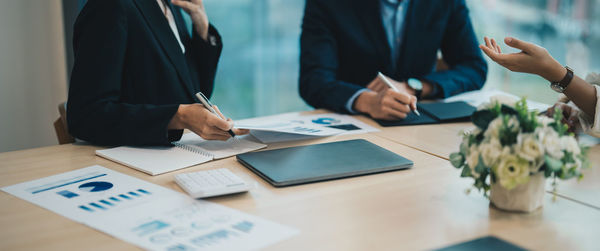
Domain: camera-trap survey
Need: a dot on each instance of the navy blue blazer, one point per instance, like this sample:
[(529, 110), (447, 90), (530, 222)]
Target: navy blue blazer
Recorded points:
[(343, 46), (130, 74)]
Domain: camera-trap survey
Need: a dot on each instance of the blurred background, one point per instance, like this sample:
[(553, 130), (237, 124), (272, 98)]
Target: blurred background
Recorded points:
[(258, 70)]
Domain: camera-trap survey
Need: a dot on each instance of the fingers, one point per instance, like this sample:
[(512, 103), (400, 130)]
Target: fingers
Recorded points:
[(403, 98), (392, 114), (377, 85), (240, 131), (516, 43), (550, 111), (496, 47), (197, 2), (185, 5), (413, 103), (397, 102), (488, 44), (214, 137), (219, 123), (489, 52)]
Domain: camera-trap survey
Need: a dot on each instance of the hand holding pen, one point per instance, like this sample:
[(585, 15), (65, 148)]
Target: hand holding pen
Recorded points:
[(413, 105), (213, 109), (210, 124), (383, 101)]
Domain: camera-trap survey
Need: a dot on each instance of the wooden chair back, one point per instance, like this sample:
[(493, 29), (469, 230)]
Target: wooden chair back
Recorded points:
[(60, 126)]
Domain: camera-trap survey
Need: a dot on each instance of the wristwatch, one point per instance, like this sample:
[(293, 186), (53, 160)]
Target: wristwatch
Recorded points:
[(416, 85), (561, 86)]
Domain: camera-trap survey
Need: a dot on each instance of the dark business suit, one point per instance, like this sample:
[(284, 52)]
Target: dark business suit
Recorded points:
[(343, 46), (130, 74)]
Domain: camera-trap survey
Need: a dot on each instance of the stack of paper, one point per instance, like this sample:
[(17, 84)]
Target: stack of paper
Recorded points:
[(295, 126)]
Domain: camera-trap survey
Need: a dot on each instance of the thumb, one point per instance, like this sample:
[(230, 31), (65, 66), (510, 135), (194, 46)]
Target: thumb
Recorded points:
[(516, 43), (413, 103)]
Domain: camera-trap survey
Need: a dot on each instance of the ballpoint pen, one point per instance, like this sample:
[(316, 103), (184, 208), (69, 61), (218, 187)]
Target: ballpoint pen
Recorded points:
[(388, 83), (209, 106)]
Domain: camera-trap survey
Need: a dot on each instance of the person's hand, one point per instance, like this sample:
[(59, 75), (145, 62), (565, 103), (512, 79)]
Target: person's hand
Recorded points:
[(378, 85), (195, 8), (570, 115), (532, 58), (202, 122), (386, 104)]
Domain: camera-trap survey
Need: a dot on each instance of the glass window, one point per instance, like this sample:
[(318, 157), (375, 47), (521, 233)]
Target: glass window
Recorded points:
[(568, 29), (259, 67)]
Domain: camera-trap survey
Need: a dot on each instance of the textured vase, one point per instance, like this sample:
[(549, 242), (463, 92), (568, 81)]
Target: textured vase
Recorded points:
[(523, 198)]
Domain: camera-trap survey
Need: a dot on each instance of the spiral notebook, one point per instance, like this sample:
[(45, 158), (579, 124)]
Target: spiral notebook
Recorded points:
[(189, 151)]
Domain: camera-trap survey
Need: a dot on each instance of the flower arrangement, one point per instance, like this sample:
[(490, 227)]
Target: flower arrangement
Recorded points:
[(511, 145)]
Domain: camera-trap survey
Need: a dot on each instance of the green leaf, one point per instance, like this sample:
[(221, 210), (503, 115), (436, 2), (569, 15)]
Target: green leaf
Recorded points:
[(466, 172), (508, 135), (483, 118), (457, 159), (480, 168), (508, 110), (553, 164), (547, 171)]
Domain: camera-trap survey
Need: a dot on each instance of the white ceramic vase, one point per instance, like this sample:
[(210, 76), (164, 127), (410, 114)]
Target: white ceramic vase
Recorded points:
[(523, 198)]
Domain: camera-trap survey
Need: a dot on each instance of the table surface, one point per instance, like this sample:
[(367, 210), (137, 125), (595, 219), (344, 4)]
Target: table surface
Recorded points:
[(421, 208), (443, 139)]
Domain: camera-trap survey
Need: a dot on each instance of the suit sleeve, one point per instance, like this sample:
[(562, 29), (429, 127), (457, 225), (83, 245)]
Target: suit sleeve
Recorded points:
[(468, 69), (319, 62), (207, 54), (95, 112)]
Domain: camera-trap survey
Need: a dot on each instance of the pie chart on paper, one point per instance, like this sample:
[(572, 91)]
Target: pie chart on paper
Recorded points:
[(325, 121), (96, 186)]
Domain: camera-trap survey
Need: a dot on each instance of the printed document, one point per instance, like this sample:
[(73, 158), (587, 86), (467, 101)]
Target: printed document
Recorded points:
[(296, 126), (148, 215)]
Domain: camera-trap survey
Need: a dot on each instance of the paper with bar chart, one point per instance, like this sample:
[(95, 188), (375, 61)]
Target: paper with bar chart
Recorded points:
[(148, 215)]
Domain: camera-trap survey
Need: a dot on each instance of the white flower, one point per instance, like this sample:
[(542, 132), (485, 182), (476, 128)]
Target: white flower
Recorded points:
[(512, 171), (544, 121), (569, 143), (504, 100), (493, 130), (531, 150), (473, 160), (577, 164), (498, 99), (490, 152), (513, 123), (551, 142)]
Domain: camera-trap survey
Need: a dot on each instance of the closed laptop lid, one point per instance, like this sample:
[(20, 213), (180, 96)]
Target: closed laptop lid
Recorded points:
[(312, 163)]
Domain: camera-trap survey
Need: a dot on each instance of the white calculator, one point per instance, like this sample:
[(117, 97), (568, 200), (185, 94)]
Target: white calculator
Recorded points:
[(211, 183)]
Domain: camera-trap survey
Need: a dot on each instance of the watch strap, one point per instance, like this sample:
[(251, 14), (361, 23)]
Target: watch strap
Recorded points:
[(567, 79)]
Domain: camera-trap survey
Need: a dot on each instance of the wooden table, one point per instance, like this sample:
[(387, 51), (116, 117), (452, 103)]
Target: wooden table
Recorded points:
[(443, 139), (421, 208)]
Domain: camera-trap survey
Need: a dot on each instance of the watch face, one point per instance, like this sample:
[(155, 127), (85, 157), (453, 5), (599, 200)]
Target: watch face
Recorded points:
[(415, 84), (557, 88)]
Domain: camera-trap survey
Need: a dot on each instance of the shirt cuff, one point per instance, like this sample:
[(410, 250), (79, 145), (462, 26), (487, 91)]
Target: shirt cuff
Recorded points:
[(591, 125), (352, 99)]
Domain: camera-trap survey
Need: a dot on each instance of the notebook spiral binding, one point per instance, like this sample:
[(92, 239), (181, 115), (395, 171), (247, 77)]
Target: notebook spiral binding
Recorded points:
[(193, 149)]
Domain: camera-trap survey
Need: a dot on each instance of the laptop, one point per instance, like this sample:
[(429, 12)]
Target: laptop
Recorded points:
[(322, 162)]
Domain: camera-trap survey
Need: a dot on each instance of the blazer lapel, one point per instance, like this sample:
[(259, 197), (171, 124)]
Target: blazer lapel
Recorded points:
[(369, 13), (163, 33)]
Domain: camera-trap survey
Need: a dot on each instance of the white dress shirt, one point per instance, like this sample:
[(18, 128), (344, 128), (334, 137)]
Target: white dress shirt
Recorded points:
[(171, 21), (591, 125)]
